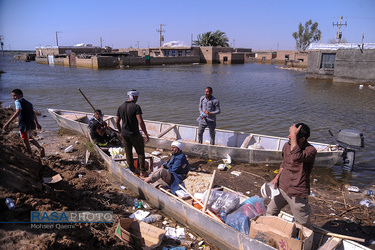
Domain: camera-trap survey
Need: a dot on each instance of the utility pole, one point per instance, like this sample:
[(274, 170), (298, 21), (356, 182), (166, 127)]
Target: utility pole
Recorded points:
[(57, 38), (2, 45), (101, 42), (234, 43), (339, 33), (161, 37)]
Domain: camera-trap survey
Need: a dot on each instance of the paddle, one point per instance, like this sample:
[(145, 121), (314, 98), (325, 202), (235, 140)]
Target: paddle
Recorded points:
[(108, 128), (86, 99)]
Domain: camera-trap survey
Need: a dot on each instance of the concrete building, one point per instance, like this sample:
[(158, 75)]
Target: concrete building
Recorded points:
[(292, 58), (96, 58), (347, 62)]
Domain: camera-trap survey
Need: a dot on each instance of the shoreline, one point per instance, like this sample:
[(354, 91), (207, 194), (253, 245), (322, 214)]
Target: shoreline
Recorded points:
[(331, 206)]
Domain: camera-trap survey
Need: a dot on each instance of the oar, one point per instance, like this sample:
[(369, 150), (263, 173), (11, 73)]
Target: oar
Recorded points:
[(86, 99), (94, 108)]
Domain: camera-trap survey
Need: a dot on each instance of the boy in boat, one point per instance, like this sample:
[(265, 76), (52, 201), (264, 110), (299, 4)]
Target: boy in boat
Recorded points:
[(98, 129), (27, 121), (173, 172), (131, 115), (209, 107), (293, 177)]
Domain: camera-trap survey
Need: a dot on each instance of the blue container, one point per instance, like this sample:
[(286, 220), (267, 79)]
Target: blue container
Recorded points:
[(10, 203)]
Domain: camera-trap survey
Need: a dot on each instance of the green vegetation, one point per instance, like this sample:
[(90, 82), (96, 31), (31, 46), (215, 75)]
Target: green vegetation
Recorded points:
[(217, 38), (306, 34)]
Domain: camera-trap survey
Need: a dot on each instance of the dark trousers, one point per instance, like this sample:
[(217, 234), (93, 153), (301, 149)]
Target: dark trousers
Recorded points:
[(211, 126), (139, 145)]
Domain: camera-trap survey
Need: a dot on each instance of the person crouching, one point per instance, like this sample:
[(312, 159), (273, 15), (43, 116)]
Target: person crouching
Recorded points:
[(173, 172)]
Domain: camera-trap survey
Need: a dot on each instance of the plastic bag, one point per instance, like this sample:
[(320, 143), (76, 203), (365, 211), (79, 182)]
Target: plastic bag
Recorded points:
[(239, 222), (227, 202), (258, 204), (214, 195), (232, 202)]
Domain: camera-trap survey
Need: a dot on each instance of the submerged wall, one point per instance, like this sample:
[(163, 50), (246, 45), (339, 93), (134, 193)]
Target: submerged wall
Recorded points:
[(350, 65), (354, 65)]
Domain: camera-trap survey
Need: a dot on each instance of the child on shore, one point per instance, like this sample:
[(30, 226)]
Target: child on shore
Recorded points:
[(28, 121)]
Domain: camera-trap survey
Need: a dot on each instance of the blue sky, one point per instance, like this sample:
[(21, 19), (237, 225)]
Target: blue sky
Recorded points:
[(262, 24)]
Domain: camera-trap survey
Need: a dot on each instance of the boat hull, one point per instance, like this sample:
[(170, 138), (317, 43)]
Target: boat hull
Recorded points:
[(219, 234), (232, 143)]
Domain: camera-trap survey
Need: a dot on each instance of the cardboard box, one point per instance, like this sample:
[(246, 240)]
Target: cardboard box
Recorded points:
[(139, 234), (281, 234)]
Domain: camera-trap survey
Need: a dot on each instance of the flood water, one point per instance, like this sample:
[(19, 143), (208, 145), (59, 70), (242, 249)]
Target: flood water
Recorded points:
[(253, 97)]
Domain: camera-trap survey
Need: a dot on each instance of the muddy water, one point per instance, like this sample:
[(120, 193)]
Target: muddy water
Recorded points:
[(254, 98)]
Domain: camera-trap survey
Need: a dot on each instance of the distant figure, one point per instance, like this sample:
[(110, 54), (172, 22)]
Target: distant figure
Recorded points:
[(293, 178), (27, 120), (130, 114), (174, 171), (209, 107), (98, 129)]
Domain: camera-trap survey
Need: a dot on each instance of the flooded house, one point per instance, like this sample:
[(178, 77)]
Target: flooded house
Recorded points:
[(343, 62)]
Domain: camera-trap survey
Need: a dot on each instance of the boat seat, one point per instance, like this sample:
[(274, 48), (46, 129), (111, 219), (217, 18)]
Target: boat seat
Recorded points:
[(74, 117)]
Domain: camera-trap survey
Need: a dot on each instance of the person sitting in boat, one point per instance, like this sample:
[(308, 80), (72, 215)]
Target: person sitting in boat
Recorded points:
[(98, 129), (173, 172)]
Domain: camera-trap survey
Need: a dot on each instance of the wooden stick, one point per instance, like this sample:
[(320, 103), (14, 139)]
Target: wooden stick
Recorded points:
[(255, 175), (349, 209), (199, 202), (343, 196), (209, 191), (341, 236), (86, 99)]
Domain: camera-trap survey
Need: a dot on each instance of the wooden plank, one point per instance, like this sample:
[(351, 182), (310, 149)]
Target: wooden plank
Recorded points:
[(246, 141), (209, 191), (165, 131), (341, 236)]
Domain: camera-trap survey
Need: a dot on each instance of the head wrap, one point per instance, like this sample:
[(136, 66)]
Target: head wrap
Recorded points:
[(177, 144), (131, 94)]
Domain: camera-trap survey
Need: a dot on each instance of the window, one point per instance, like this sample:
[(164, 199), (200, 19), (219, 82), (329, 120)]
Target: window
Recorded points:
[(179, 53), (286, 57), (263, 59), (166, 52), (173, 53), (188, 52), (328, 61), (225, 59)]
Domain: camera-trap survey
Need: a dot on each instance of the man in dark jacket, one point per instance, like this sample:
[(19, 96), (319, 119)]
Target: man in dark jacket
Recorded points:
[(173, 172), (293, 177), (99, 128)]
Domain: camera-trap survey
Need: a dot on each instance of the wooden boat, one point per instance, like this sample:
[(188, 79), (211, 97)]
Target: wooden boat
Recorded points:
[(216, 232), (240, 146)]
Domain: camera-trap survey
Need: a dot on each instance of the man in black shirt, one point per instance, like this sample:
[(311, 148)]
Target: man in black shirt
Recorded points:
[(130, 114)]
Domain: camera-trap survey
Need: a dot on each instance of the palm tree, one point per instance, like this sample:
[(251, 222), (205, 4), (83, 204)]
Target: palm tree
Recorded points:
[(217, 38)]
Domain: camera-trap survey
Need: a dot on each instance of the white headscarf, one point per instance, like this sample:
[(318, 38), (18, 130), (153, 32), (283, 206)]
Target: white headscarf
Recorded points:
[(131, 94), (177, 144)]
